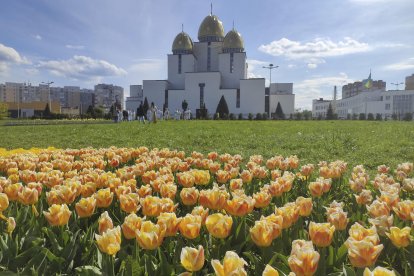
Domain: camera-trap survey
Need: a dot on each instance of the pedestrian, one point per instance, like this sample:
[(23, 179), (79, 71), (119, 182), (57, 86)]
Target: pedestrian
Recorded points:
[(154, 113), (140, 114)]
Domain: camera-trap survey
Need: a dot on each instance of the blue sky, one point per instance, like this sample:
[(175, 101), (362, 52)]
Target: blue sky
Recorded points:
[(316, 43)]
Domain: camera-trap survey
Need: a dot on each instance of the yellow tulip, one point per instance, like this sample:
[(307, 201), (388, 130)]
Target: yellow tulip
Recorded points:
[(277, 224), (321, 234), (404, 209), (190, 226), (131, 224), (236, 184), (104, 198), (129, 203), (151, 235), (270, 271), (85, 207), (186, 179), (192, 259), (58, 215), (222, 176), (400, 237), (202, 212), (246, 176), (168, 190), (219, 225), (144, 190), (262, 233), (232, 265), (358, 232), (378, 271), (303, 259), (378, 208), (151, 206), (189, 196), (11, 225), (382, 223), (28, 196), (171, 223), (214, 198), (4, 202), (290, 214), (12, 191), (362, 253), (364, 197), (240, 205), (305, 206), (104, 223), (262, 199), (338, 219), (201, 177), (110, 241)]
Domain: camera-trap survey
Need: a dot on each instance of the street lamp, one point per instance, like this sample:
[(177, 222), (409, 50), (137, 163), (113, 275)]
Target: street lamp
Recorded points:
[(48, 86), (270, 67), (397, 84)]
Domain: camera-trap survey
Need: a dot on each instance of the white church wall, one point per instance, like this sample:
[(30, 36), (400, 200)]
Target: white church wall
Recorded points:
[(175, 78), (211, 89), (232, 79), (287, 102), (252, 96), (154, 91)]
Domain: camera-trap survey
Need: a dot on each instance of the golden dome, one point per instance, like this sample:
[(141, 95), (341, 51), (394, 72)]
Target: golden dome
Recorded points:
[(182, 44), (211, 29), (233, 42)]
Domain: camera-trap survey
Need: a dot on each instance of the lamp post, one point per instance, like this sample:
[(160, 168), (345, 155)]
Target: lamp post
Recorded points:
[(397, 84), (270, 67), (48, 88)]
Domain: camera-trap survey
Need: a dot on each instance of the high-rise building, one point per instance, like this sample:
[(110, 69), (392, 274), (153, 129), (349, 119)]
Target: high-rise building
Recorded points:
[(352, 89), (409, 82), (107, 95), (135, 97)]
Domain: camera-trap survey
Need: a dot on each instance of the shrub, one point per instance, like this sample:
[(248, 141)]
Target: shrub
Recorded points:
[(408, 117), (362, 116), (250, 116), (370, 117), (231, 116), (378, 117), (240, 116), (258, 116), (264, 116)]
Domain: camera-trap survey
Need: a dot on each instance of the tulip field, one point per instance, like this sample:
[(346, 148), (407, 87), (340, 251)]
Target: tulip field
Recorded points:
[(195, 209)]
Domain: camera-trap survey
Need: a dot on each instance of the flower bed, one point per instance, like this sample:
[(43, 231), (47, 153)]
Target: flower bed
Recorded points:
[(131, 211)]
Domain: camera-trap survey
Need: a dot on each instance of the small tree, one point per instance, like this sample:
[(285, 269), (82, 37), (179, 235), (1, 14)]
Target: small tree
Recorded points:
[(231, 116), (250, 116), (330, 114), (408, 117), (348, 116), (222, 107), (3, 110), (394, 116), (145, 106), (46, 112), (240, 116), (258, 116), (184, 105), (264, 116), (378, 117), (279, 115), (298, 116), (307, 114), (370, 117), (90, 112), (362, 116), (354, 116)]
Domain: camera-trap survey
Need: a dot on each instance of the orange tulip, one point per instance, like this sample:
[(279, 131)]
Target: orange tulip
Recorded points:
[(338, 219), (131, 224), (4, 202), (400, 237), (364, 197), (110, 241), (219, 225), (129, 203), (28, 196), (262, 199), (192, 259), (214, 198), (404, 209), (202, 212), (270, 271), (358, 232), (232, 265), (122, 190), (171, 223), (12, 191), (240, 205), (104, 198), (305, 206), (144, 190), (246, 176), (262, 233), (189, 196), (362, 253), (276, 222), (186, 179), (382, 223), (378, 208), (151, 235), (85, 207), (303, 259), (321, 234), (104, 222), (190, 226), (168, 190), (290, 214), (88, 189), (378, 271), (151, 206), (222, 176), (201, 177), (58, 215)]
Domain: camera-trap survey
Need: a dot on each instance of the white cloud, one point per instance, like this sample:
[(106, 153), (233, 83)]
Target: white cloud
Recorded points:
[(318, 87), (82, 67), (318, 48), (75, 47), (402, 65), (253, 66), (10, 56), (38, 37), (147, 65)]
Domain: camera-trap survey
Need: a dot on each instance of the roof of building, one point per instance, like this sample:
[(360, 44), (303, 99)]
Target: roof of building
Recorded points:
[(233, 41), (211, 29), (182, 44)]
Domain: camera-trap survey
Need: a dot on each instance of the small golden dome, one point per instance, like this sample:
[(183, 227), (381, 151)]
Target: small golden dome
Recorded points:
[(233, 42), (182, 44), (211, 29)]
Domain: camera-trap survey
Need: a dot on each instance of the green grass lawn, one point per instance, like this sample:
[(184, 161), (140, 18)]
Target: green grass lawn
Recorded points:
[(356, 142)]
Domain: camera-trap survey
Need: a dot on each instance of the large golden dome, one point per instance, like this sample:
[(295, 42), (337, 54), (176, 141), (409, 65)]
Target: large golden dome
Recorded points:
[(182, 44), (233, 42), (211, 29)]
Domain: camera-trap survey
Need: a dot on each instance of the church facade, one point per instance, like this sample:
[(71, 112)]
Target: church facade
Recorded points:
[(215, 66)]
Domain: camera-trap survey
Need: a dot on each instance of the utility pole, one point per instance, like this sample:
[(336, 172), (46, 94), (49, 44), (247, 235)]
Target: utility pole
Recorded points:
[(270, 67)]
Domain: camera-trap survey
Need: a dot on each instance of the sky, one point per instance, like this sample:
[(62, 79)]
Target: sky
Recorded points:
[(317, 44)]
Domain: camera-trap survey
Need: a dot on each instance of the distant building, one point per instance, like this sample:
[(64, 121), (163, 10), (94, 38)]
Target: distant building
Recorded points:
[(135, 97), (281, 93), (108, 94), (30, 109), (409, 82), (352, 89), (388, 104)]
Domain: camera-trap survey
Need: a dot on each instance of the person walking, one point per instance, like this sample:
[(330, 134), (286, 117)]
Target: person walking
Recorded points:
[(153, 113), (140, 114)]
